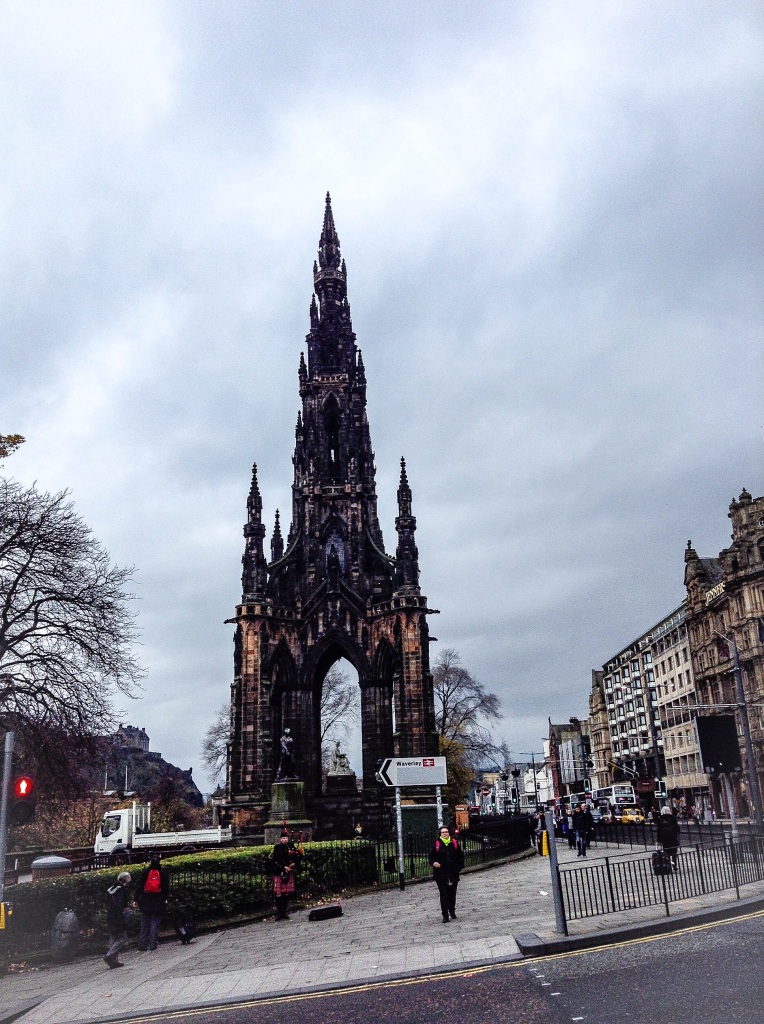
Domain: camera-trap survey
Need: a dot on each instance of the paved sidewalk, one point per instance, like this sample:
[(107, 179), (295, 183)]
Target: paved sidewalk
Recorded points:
[(382, 935)]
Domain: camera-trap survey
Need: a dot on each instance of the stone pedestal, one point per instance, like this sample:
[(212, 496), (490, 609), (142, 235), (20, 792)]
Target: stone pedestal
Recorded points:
[(287, 805), (341, 785)]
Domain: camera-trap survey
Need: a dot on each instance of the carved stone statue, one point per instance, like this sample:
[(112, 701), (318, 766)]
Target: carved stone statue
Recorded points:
[(286, 760), (340, 763)]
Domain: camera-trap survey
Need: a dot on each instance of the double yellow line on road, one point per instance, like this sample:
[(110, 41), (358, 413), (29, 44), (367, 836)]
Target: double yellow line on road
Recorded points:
[(462, 972)]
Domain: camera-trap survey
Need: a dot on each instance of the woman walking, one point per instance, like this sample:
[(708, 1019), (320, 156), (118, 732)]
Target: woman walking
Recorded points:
[(447, 860)]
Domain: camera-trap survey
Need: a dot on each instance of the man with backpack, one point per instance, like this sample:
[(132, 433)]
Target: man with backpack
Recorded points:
[(116, 918), (151, 891)]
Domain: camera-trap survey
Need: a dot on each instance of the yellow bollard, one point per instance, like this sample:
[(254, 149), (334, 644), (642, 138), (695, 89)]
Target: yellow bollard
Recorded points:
[(544, 845)]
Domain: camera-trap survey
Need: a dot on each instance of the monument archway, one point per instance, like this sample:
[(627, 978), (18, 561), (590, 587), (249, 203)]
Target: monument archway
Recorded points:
[(329, 589)]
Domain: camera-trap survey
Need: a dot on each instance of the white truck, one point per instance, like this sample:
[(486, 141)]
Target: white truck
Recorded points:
[(129, 828)]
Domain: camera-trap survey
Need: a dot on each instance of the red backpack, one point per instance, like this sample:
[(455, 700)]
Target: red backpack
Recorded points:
[(153, 881)]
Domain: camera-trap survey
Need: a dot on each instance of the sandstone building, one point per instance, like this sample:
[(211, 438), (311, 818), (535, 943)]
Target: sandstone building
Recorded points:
[(725, 612)]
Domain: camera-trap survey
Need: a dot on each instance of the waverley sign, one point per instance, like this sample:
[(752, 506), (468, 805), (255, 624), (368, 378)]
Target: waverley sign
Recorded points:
[(413, 771)]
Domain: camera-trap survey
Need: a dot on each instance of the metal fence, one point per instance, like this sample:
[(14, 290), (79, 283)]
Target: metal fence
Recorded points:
[(690, 834), (619, 883)]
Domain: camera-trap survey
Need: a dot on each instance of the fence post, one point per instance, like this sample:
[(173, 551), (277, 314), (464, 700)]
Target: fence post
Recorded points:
[(665, 895), (610, 883), (730, 843), (412, 862), (700, 869)]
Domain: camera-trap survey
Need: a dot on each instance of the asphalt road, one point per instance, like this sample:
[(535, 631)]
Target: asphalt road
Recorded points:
[(707, 975)]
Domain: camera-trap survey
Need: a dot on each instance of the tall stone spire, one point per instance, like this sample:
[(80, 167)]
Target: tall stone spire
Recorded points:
[(254, 575), (406, 555), (330, 590), (331, 342), (277, 541)]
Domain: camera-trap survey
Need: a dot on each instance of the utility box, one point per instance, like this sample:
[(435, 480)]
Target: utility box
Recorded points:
[(50, 867)]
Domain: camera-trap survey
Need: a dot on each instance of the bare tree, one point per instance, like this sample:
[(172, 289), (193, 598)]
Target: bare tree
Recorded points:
[(464, 710), (338, 705), (214, 745), (339, 711), (66, 627)]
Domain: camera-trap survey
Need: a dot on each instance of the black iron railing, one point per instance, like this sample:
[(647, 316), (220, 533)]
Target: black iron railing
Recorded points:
[(612, 884), (690, 834)]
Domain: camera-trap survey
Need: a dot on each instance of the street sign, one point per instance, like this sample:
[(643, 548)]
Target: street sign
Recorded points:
[(414, 771)]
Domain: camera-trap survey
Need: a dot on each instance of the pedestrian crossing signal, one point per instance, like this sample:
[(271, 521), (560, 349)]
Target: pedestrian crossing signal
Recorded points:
[(23, 800)]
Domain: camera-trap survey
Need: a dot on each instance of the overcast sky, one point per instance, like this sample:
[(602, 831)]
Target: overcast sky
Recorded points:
[(552, 220)]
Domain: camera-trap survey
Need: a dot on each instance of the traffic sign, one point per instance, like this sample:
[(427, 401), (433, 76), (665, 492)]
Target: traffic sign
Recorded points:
[(414, 771)]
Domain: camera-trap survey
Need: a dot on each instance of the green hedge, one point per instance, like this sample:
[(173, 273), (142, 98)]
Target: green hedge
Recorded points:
[(206, 886)]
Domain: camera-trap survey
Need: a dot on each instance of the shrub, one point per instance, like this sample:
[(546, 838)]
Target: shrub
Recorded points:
[(206, 886)]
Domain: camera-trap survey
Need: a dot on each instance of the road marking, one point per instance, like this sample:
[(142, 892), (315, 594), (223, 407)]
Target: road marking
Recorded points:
[(633, 942)]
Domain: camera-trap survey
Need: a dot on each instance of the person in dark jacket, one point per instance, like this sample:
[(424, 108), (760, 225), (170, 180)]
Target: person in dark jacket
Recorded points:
[(447, 860), (286, 862), (117, 900), (583, 827), (667, 832), (151, 891)]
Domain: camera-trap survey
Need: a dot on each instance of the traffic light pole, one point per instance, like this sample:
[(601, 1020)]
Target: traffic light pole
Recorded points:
[(10, 738)]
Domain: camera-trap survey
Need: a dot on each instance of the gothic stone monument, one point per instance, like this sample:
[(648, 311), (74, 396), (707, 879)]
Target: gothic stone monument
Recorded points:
[(330, 590)]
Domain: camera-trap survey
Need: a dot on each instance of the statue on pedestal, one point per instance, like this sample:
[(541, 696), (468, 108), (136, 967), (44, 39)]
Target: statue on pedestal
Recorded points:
[(286, 761), (340, 763)]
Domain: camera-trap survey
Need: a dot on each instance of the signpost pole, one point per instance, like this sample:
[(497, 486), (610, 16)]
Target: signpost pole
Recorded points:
[(439, 802), (730, 804), (561, 925), (399, 826), (7, 764)]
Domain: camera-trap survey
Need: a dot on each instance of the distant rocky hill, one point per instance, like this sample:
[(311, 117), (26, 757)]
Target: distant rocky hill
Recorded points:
[(126, 764)]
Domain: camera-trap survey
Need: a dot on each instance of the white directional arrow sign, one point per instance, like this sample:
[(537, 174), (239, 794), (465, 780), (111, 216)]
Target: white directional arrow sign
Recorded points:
[(414, 771)]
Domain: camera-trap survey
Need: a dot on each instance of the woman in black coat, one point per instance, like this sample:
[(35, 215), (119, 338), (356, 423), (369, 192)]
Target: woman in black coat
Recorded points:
[(667, 831), (447, 859)]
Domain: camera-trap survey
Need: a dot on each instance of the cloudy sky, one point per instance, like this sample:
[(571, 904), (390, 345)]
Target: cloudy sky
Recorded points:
[(552, 219)]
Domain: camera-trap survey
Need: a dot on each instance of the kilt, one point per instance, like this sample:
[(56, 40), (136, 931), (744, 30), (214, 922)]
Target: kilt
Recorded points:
[(281, 887)]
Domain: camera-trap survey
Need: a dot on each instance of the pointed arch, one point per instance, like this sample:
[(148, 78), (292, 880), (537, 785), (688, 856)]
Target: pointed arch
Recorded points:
[(332, 418)]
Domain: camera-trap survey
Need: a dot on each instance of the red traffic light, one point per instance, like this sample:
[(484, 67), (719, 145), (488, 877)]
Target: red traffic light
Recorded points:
[(23, 787), (23, 802)]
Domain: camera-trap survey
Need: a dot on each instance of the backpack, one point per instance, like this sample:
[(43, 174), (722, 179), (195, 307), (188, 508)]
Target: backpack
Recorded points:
[(153, 881)]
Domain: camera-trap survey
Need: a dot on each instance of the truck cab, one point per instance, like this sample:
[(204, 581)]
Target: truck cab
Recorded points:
[(118, 827)]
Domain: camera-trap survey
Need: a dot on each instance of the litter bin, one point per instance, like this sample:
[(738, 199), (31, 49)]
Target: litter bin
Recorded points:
[(65, 935), (50, 867)]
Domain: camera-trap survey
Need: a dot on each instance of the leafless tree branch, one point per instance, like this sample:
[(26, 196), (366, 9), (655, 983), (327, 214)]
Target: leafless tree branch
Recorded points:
[(67, 630)]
